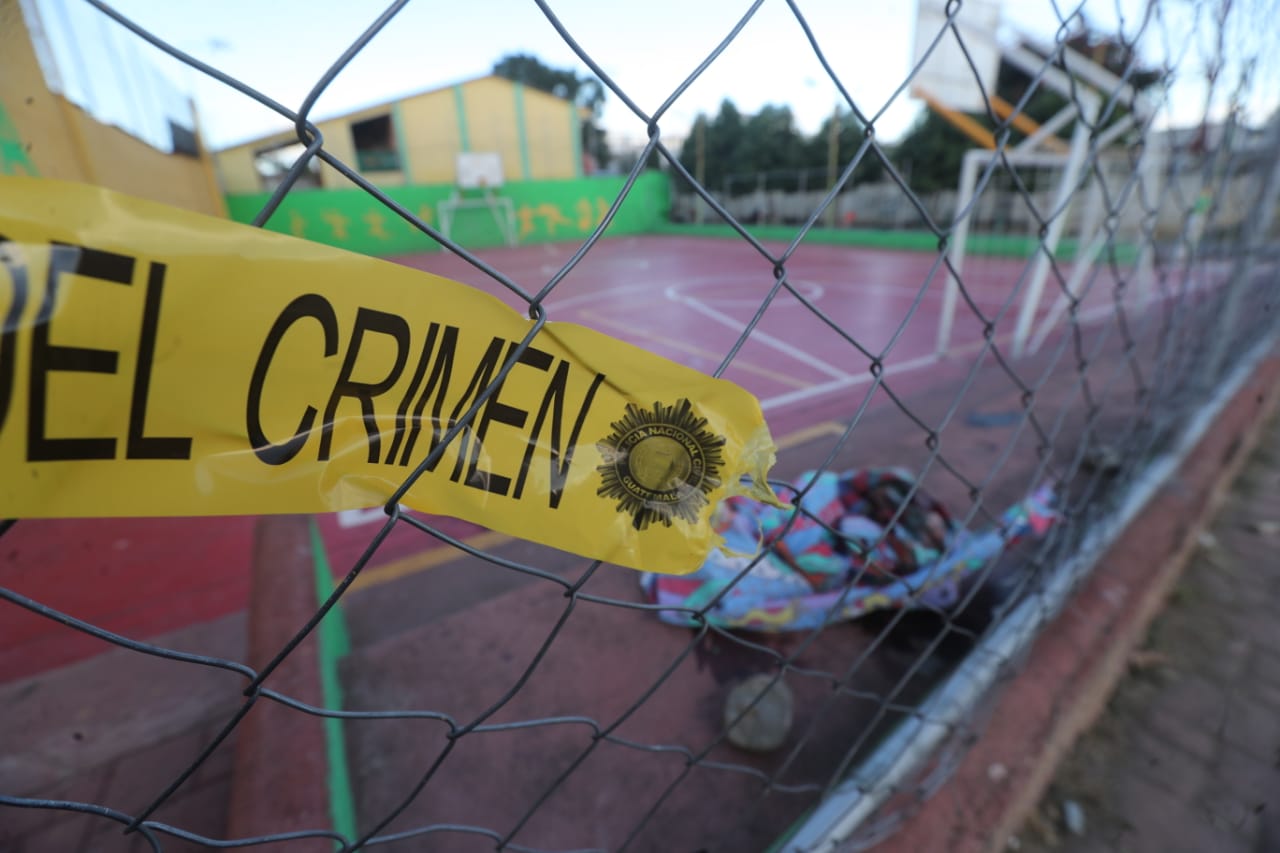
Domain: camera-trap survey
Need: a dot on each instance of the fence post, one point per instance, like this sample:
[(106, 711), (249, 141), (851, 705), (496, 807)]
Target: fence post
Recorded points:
[(1083, 260), (956, 247), (280, 767), (833, 165), (1062, 201), (700, 168), (1154, 166)]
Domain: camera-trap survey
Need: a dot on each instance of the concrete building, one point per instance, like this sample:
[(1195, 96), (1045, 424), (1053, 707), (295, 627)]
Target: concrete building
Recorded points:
[(415, 140), (78, 102)]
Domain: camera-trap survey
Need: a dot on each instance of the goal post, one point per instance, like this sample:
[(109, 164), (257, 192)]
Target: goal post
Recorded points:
[(999, 212), (1081, 222), (1080, 83), (1075, 77), (478, 179)]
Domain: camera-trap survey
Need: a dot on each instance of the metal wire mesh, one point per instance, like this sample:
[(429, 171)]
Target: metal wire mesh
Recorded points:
[(1148, 336)]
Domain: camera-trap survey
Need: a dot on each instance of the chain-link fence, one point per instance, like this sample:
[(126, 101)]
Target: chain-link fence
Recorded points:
[(1094, 305)]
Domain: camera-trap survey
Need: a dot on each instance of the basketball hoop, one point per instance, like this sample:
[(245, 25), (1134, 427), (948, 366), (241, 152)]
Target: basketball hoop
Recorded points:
[(479, 171)]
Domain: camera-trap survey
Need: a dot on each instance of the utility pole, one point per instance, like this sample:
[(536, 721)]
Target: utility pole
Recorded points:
[(833, 164), (700, 164)]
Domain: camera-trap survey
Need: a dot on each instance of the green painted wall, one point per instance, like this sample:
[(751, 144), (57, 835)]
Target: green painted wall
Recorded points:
[(545, 211)]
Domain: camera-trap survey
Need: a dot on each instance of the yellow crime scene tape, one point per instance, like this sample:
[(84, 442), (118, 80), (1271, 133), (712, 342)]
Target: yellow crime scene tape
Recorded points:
[(156, 362)]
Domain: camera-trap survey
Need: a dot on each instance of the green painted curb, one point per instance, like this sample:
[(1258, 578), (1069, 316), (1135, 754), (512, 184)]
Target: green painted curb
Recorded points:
[(334, 644)]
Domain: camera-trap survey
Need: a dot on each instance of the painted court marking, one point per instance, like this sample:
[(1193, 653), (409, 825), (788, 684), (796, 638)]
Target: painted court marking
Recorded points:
[(760, 337), (741, 364), (811, 290)]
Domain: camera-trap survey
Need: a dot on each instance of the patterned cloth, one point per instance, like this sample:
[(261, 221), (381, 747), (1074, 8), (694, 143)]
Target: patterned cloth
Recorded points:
[(841, 556)]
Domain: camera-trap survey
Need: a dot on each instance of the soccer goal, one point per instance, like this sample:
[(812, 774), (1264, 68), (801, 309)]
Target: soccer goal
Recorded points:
[(478, 186), (1056, 205)]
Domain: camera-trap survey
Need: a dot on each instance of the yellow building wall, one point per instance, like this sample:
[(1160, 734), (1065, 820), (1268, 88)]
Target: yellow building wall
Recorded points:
[(55, 139), (490, 113), (121, 162), (429, 135), (235, 168), (238, 174), (431, 132), (337, 141), (549, 129), (30, 115)]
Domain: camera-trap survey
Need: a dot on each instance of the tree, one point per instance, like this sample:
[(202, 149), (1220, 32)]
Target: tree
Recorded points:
[(583, 90), (721, 139), (768, 145), (930, 153), (625, 161), (850, 133)]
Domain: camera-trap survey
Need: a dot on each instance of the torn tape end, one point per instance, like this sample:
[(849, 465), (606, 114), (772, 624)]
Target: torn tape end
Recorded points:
[(758, 456)]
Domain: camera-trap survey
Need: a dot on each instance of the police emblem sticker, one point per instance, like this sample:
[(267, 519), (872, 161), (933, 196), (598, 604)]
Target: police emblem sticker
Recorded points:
[(660, 464)]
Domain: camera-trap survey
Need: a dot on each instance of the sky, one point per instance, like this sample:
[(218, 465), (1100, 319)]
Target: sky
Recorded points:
[(647, 46)]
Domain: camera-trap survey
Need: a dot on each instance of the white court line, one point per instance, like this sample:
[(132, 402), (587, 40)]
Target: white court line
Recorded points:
[(617, 289), (621, 289), (1088, 317), (840, 381), (803, 394), (765, 338), (908, 366), (901, 291), (816, 294), (1133, 301)]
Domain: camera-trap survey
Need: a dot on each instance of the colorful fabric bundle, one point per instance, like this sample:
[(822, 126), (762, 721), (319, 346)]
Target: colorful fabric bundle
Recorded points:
[(841, 556)]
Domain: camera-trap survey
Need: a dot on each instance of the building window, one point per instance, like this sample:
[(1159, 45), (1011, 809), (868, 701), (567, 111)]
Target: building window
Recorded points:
[(273, 163), (375, 144), (184, 140)]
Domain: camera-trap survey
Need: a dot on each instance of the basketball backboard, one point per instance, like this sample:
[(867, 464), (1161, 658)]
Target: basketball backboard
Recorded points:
[(946, 75), (480, 170)]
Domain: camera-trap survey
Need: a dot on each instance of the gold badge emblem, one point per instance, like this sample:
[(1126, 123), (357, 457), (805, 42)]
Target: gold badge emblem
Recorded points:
[(660, 464)]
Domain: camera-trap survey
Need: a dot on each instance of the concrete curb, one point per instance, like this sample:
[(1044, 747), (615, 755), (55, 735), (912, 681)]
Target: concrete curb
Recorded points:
[(1075, 665), (280, 768)]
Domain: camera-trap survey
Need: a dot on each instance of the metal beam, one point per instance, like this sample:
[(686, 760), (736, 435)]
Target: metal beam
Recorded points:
[(1025, 123), (961, 122)]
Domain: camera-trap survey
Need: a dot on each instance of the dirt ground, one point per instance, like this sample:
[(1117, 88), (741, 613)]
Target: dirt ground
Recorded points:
[(1186, 756)]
